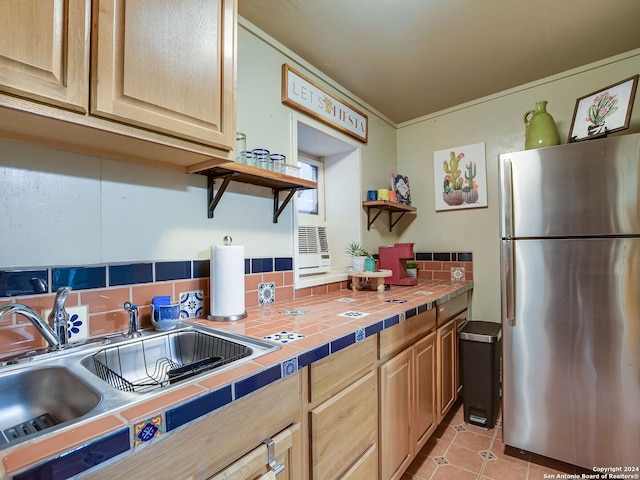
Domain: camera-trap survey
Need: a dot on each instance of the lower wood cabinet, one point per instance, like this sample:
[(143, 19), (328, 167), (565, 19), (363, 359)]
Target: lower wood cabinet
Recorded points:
[(223, 444), (447, 367), (407, 405), (256, 464), (343, 413), (343, 429)]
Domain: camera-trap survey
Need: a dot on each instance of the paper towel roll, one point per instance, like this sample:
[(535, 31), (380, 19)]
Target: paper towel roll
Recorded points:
[(227, 283)]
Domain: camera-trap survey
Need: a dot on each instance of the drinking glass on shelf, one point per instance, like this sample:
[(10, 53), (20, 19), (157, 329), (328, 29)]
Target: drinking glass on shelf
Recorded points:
[(241, 146), (248, 158), (277, 162), (261, 157)]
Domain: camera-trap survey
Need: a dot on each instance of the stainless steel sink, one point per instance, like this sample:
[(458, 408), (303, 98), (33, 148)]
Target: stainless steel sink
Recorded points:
[(37, 399), (44, 392), (147, 364)]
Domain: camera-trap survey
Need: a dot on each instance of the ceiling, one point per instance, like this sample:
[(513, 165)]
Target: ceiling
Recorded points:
[(410, 58)]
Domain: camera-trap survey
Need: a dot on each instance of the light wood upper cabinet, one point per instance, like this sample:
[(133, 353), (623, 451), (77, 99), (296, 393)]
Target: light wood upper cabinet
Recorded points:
[(166, 66), (44, 51), (147, 81)]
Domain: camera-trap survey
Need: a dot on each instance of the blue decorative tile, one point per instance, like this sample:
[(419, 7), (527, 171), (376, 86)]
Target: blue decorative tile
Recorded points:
[(284, 264), (360, 335), (247, 266), (423, 308), (314, 355), (353, 314), (261, 265), (284, 337), (465, 257), (391, 321), (172, 271), (289, 367), (409, 313), (131, 273), (23, 282), (192, 304), (196, 408), (294, 312), (442, 257), (343, 342), (259, 380), (266, 293), (77, 461), (373, 329), (79, 278), (201, 268), (425, 257), (147, 430), (457, 274)]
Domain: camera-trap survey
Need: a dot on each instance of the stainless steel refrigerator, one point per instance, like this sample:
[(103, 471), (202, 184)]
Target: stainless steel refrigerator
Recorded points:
[(570, 277)]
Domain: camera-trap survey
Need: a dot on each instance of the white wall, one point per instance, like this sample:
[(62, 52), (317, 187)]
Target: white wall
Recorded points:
[(496, 121)]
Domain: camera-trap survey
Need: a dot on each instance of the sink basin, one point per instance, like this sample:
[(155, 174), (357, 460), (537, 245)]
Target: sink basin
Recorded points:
[(37, 399), (146, 364), (51, 390)]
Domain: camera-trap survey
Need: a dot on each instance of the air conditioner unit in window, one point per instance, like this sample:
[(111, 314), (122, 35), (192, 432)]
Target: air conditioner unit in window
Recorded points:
[(313, 250)]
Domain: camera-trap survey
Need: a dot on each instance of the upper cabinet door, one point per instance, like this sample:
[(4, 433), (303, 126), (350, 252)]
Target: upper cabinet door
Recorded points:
[(44, 51), (166, 66)]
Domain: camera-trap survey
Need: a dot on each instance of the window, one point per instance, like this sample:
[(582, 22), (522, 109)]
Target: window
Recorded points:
[(311, 202), (333, 162)]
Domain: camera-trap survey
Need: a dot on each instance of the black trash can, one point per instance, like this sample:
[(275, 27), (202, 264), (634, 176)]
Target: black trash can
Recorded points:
[(480, 351)]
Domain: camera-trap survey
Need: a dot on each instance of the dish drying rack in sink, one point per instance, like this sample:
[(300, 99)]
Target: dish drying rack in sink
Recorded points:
[(160, 361)]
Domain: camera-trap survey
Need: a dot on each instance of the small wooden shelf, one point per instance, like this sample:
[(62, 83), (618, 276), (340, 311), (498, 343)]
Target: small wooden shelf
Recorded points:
[(386, 206), (240, 172)]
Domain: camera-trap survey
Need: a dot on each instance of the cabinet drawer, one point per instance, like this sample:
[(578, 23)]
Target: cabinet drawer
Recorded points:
[(393, 339), (256, 463), (343, 428), (333, 373), (365, 467), (451, 308)]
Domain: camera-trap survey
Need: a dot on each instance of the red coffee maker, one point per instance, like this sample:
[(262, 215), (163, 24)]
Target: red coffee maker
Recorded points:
[(395, 258)]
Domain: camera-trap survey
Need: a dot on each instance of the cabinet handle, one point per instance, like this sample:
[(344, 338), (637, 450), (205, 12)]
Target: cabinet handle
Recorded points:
[(272, 456)]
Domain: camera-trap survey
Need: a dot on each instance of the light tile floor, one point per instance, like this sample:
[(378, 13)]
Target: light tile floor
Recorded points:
[(459, 451)]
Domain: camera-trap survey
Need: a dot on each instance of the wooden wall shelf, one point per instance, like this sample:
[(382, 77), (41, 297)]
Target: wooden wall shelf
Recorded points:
[(386, 206), (240, 172)]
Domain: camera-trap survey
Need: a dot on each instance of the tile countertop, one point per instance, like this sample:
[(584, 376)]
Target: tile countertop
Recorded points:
[(310, 328)]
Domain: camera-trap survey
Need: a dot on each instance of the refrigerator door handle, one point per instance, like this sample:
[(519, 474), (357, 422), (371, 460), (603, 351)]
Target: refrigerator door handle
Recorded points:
[(509, 282), (506, 199)]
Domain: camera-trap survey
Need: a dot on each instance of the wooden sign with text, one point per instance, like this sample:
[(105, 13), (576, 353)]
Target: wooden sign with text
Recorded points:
[(303, 94)]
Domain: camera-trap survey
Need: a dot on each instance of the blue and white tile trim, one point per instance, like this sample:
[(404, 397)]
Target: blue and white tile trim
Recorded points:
[(47, 279)]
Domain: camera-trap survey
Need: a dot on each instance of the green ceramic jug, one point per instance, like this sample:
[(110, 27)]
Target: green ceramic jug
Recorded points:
[(540, 129)]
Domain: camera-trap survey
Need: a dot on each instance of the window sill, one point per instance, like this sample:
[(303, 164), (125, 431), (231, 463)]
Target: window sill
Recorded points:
[(321, 279)]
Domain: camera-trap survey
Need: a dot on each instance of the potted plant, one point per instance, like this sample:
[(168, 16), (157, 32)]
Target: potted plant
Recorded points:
[(412, 269), (358, 255)]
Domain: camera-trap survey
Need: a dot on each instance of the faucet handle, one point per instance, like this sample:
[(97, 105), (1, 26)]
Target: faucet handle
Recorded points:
[(59, 317)]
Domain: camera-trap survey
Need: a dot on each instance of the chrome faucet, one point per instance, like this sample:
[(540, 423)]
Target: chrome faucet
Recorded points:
[(56, 335), (134, 325)]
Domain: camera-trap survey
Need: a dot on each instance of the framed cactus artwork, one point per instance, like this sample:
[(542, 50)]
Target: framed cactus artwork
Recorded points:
[(460, 177), (605, 111)]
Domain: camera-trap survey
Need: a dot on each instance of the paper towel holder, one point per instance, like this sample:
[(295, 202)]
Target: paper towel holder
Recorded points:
[(227, 240)]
